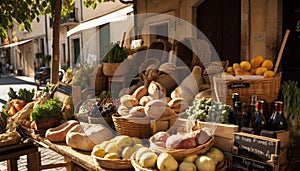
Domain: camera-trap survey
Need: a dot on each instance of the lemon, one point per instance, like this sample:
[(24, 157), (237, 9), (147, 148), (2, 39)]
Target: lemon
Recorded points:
[(229, 69), (257, 61), (268, 64), (112, 156), (245, 65), (261, 70), (99, 152), (269, 74)]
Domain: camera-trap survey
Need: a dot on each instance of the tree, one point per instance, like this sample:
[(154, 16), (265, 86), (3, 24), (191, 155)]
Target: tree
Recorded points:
[(23, 12)]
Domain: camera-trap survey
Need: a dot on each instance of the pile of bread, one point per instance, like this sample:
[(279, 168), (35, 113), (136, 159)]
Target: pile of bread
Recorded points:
[(154, 99)]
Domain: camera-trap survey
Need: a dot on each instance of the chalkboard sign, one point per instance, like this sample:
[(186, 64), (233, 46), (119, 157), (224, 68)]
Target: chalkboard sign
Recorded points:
[(239, 85), (245, 164), (257, 147), (62, 91)]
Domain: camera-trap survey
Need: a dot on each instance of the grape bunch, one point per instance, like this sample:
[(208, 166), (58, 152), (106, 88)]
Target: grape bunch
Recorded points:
[(208, 110), (102, 108)]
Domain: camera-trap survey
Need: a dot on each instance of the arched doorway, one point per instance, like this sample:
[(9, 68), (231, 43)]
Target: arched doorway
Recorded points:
[(220, 21)]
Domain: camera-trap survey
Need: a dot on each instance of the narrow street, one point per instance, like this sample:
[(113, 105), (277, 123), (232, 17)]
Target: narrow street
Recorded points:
[(18, 82)]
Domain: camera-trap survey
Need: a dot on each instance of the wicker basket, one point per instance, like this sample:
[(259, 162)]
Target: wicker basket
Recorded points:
[(265, 88), (200, 149), (221, 166), (114, 164), (140, 128)]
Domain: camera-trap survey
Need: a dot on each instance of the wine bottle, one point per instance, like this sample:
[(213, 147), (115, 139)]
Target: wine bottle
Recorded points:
[(260, 122), (235, 97), (251, 111), (277, 120)]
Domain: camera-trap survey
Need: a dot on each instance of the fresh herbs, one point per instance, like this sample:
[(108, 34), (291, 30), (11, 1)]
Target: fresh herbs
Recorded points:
[(291, 97), (23, 94), (50, 109)]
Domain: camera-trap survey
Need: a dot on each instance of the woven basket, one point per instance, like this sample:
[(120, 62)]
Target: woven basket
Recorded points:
[(111, 163), (265, 88), (200, 149), (140, 128), (221, 166)]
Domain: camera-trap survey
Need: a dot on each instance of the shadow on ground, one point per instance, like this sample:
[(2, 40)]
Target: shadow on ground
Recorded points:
[(8, 80)]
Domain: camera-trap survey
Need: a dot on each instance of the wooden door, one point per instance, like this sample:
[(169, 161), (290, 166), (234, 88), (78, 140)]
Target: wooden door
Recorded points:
[(291, 56), (220, 21)]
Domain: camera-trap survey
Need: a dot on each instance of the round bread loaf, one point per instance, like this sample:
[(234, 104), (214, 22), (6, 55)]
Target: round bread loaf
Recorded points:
[(137, 111), (140, 92), (155, 108), (128, 100)]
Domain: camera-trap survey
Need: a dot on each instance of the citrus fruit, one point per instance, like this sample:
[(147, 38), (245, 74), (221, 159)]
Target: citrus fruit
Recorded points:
[(268, 64), (245, 65), (99, 152), (269, 74), (229, 69), (257, 61), (261, 70)]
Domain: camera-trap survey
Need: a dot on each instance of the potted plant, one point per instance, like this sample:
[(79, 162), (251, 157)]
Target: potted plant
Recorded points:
[(112, 59)]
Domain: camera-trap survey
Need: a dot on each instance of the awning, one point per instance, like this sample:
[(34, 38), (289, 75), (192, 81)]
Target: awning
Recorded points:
[(111, 17), (16, 43)]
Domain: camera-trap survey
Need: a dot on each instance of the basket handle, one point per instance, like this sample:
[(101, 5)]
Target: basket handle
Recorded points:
[(281, 50), (215, 88)]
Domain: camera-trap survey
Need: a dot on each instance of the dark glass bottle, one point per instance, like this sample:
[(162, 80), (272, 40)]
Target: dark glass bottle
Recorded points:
[(260, 121), (235, 97), (240, 115), (277, 120), (251, 111)]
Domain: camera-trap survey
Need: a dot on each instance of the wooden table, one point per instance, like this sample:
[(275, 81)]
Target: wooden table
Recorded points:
[(74, 158), (12, 153)]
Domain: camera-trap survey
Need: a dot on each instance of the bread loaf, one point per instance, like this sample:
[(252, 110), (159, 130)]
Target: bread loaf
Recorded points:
[(155, 108), (183, 92), (85, 136), (140, 92), (123, 110), (144, 100), (59, 133), (156, 90), (128, 100), (178, 104), (137, 111)]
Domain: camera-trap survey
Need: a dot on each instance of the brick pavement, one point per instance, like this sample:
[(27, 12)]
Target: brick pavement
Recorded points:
[(47, 157)]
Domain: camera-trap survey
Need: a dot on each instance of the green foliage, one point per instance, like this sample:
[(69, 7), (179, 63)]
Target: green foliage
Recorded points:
[(23, 94), (50, 109), (291, 98), (114, 53), (93, 3)]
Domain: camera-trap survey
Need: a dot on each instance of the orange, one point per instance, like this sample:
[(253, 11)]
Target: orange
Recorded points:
[(268, 64), (245, 65), (269, 74), (257, 61), (261, 70)]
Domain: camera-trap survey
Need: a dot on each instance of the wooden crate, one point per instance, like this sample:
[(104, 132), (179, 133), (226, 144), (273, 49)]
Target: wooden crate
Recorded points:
[(221, 130), (223, 144), (282, 135)]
